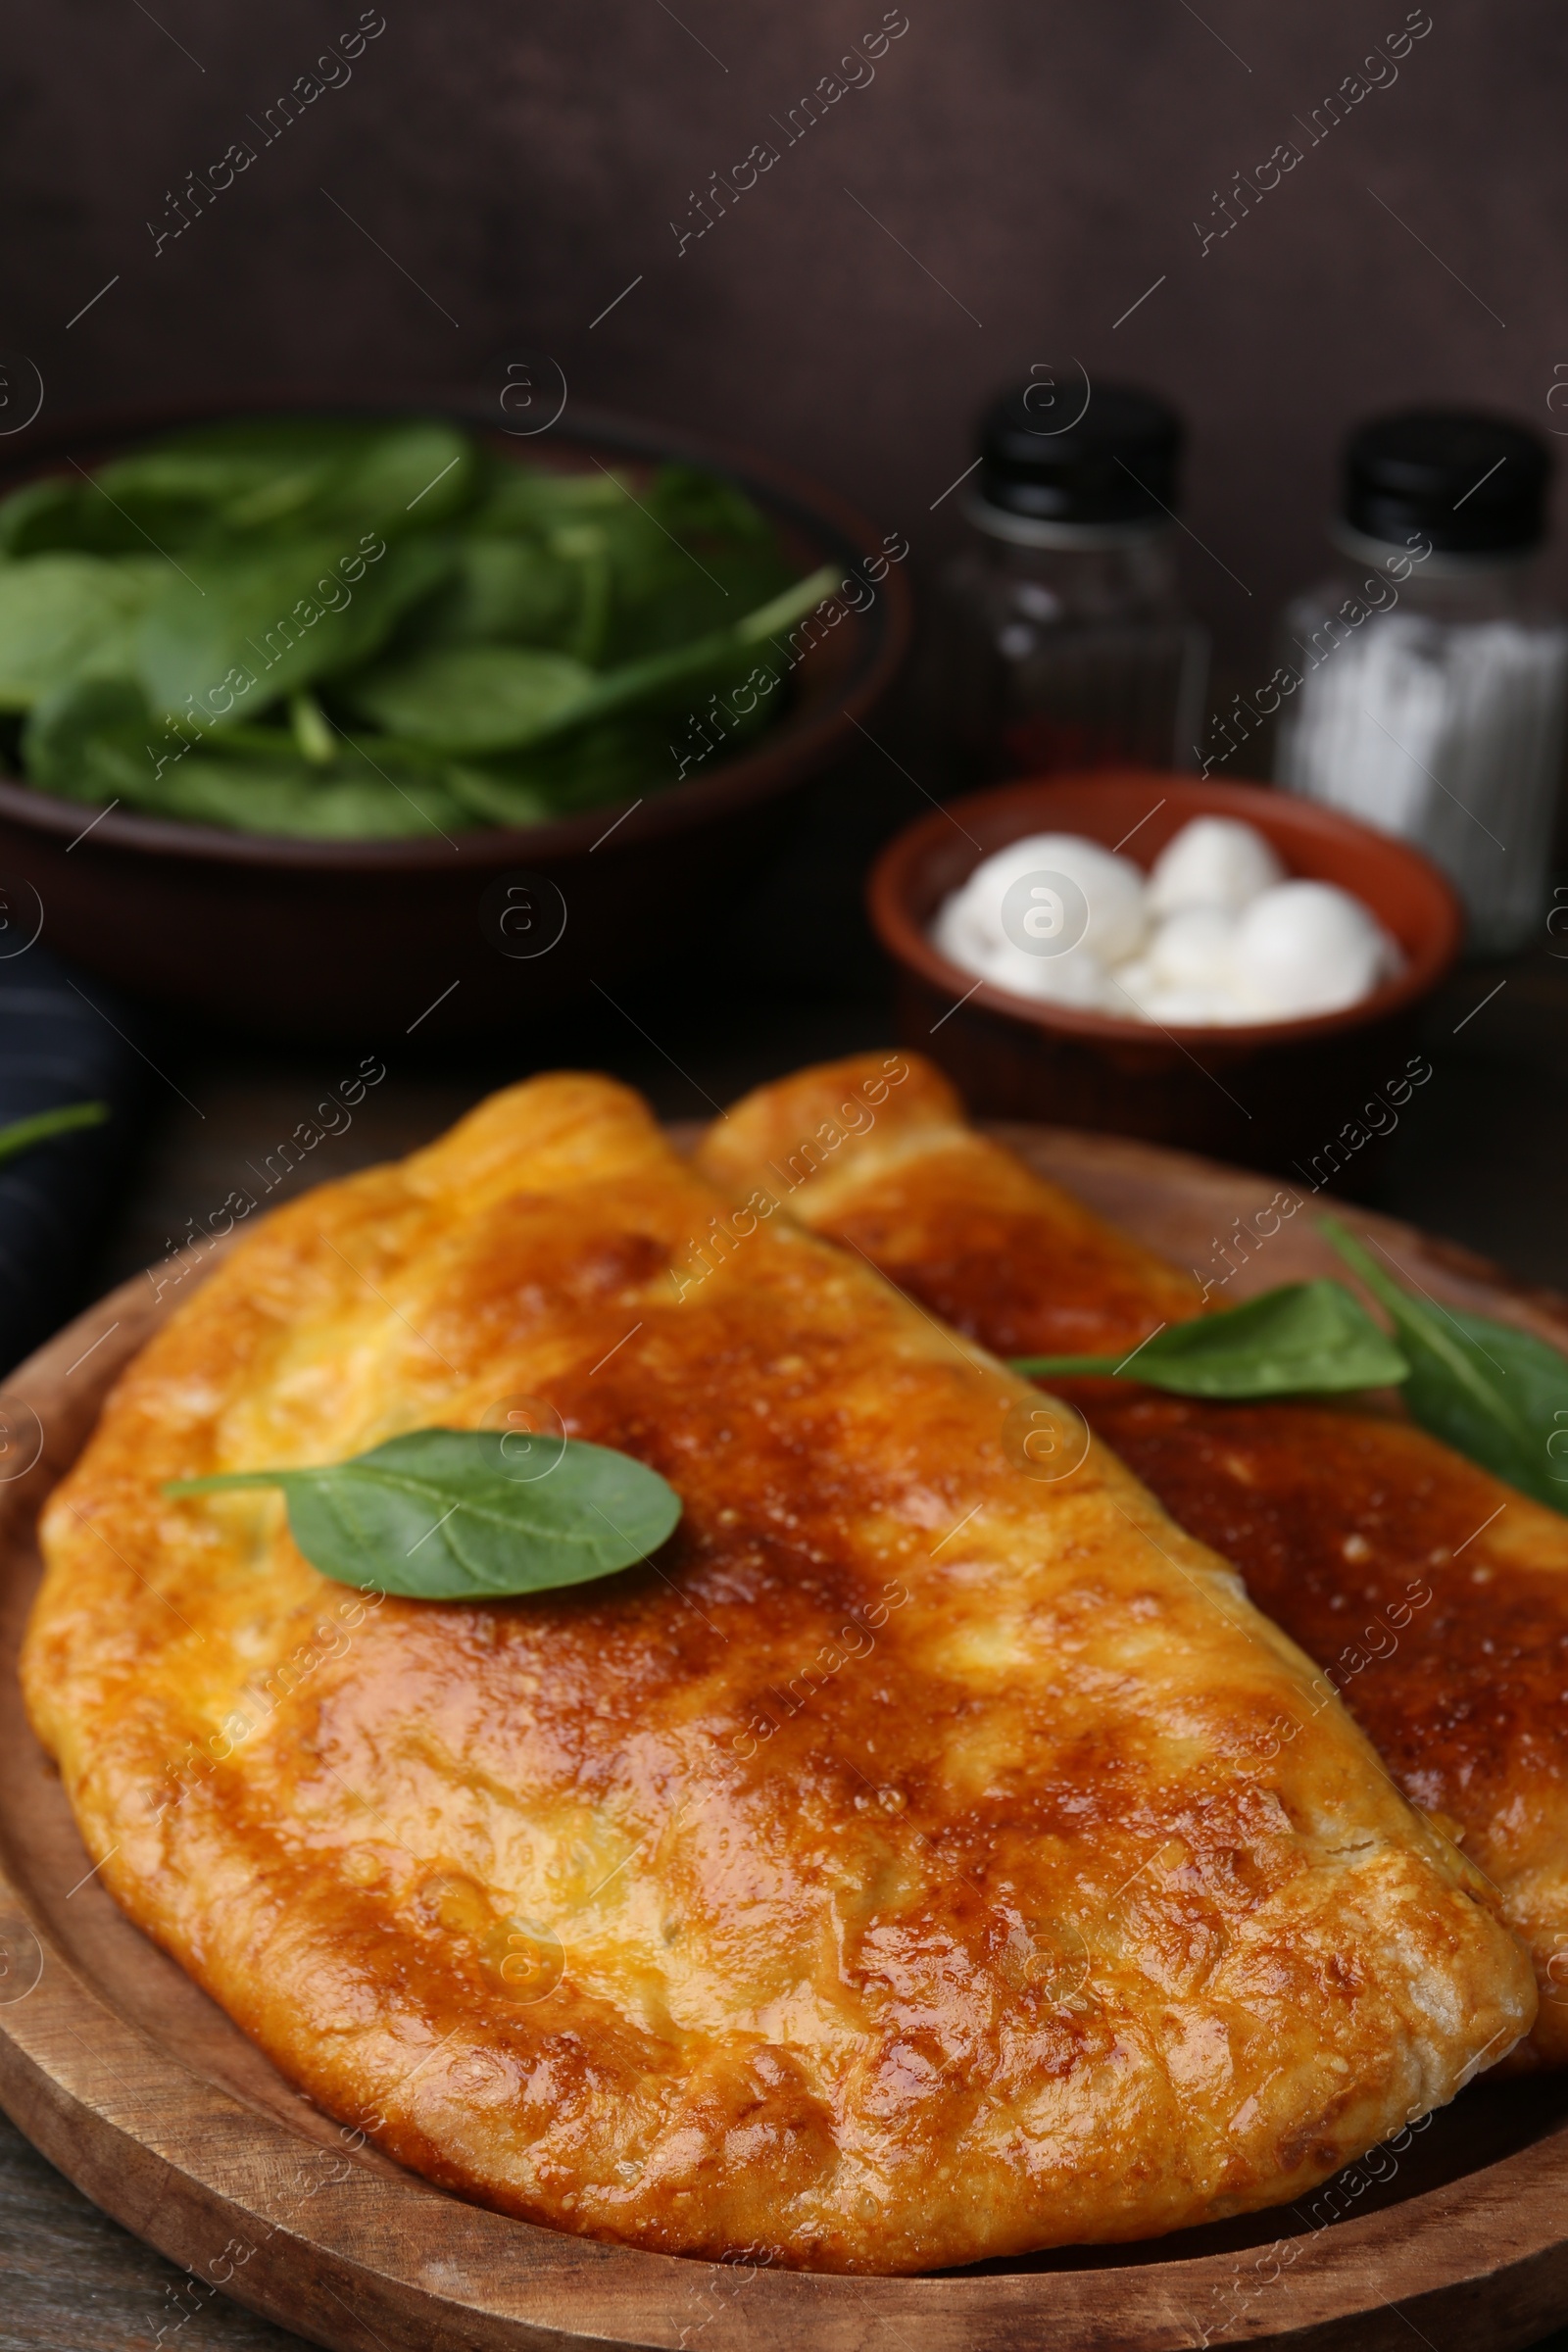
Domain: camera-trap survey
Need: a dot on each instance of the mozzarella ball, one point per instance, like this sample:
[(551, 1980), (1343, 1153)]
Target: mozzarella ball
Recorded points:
[(1191, 1009), (1077, 978), (1213, 861), (961, 934), (1113, 888), (1193, 949), (1308, 947), (1137, 980)]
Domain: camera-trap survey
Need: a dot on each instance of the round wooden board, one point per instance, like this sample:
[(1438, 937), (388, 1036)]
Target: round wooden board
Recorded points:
[(141, 2090)]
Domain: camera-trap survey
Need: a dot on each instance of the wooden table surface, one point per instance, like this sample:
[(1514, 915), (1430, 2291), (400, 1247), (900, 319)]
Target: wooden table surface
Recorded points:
[(1480, 1158)]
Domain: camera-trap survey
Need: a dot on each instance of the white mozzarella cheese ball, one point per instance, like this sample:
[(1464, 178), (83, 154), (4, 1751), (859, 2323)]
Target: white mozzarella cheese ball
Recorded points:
[(1308, 947), (1191, 1009), (1192, 950), (1077, 978), (959, 934), (1144, 990), (969, 930), (1213, 861), (1136, 980), (1113, 888)]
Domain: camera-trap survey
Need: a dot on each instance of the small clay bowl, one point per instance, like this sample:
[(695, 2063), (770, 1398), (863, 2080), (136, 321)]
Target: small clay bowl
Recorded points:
[(1281, 1095)]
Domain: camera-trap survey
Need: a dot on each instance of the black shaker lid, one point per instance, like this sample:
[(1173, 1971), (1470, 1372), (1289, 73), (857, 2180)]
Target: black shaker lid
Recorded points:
[(1114, 462), (1472, 483)]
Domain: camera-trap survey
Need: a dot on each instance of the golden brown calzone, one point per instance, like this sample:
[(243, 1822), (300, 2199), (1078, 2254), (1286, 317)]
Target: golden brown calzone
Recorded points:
[(1434, 1597), (903, 1868)]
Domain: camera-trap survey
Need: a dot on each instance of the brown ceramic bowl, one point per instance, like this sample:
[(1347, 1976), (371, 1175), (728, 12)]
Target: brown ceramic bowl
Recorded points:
[(356, 939), (1268, 1095)]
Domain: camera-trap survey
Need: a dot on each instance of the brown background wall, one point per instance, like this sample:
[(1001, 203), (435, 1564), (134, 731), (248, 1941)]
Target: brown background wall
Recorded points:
[(1044, 162)]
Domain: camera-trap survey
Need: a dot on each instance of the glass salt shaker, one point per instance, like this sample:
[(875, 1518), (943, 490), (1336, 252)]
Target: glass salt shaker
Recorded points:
[(1422, 687), (1063, 641)]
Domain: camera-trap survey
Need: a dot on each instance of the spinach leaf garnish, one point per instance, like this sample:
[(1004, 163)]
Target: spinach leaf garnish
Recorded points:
[(1307, 1337), (460, 1514), (1495, 1393), (1489, 1390)]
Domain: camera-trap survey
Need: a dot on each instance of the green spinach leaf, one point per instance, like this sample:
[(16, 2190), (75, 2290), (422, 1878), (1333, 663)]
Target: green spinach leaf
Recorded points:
[(659, 565), (44, 517), (478, 699), (505, 591), (95, 740), (680, 568), (667, 681), (1489, 1390), (71, 513), (21, 1134), (254, 625), (297, 477), (616, 760), (312, 729), (470, 698), (1305, 1339), (436, 1516), (68, 616), (534, 499), (310, 804), (498, 800)]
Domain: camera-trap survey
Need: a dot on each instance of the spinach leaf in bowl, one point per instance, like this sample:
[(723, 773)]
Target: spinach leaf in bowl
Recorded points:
[(686, 559), (616, 759), (679, 556), (299, 477), (250, 481), (251, 625), (95, 739), (493, 797), (507, 592), (535, 500), (495, 698), (477, 698), (47, 517), (68, 616), (69, 514), (364, 626), (311, 804)]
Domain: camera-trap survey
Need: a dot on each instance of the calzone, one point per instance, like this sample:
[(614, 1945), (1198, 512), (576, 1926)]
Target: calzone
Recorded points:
[(1433, 1597), (902, 1867)]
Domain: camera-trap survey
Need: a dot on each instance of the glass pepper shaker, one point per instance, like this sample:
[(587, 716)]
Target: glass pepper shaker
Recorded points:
[(1063, 642), (1424, 684)]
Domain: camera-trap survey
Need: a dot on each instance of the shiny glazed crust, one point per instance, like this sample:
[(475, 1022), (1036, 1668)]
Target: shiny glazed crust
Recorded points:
[(908, 1866), (1434, 1597)]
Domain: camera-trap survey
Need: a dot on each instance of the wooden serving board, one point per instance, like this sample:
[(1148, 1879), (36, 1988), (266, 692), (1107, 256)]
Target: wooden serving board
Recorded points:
[(140, 2089)]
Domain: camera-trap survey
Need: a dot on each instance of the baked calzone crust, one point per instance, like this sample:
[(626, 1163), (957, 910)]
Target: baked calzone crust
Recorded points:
[(1432, 1595), (904, 1867)]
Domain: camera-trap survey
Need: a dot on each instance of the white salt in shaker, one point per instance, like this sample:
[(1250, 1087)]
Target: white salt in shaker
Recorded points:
[(1422, 688)]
